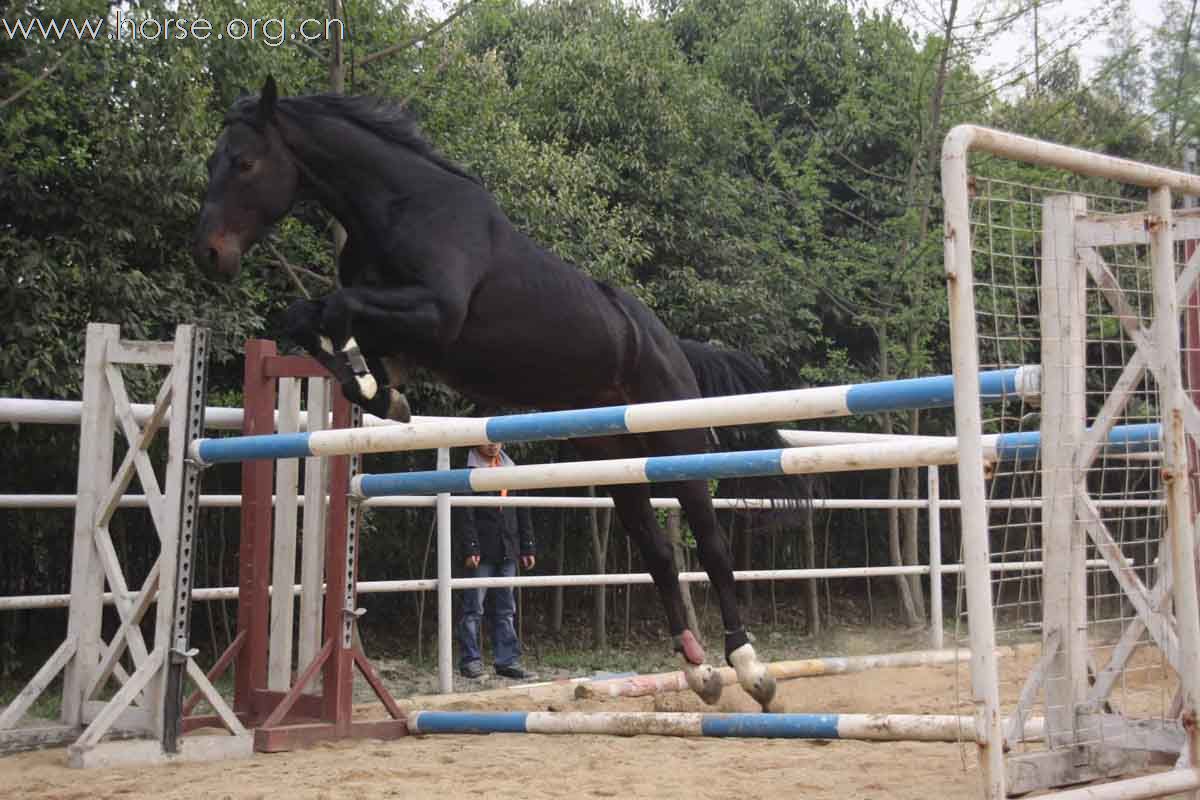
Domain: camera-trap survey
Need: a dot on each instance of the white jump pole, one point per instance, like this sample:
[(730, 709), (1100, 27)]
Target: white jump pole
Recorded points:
[(782, 406), (34, 411), (665, 682), (863, 727), (925, 451)]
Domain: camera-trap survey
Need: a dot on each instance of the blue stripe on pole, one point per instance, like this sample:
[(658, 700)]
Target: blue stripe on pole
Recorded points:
[(451, 480), (1123, 438), (1135, 438), (699, 466), (937, 392), (467, 722), (762, 726), (774, 726), (1014, 446), (245, 448), (557, 424), (714, 465), (998, 383)]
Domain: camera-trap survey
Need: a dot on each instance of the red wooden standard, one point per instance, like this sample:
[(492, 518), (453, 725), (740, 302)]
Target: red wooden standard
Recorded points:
[(285, 721)]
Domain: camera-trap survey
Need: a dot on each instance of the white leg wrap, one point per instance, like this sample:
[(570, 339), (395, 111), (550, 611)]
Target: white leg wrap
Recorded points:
[(327, 345), (752, 674), (367, 385)]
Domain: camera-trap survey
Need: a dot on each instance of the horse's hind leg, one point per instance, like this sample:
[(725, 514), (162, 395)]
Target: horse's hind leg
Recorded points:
[(715, 557), (637, 516)]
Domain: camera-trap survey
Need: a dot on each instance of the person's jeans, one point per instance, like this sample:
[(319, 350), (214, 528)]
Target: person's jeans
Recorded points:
[(502, 606)]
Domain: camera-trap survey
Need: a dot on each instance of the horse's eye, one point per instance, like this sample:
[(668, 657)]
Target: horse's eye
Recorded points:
[(245, 165)]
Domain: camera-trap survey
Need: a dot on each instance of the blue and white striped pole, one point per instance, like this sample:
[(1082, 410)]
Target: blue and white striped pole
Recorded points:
[(876, 727), (1138, 438), (794, 404), (923, 451)]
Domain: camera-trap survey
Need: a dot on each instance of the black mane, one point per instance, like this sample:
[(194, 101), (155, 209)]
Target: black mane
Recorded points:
[(383, 118)]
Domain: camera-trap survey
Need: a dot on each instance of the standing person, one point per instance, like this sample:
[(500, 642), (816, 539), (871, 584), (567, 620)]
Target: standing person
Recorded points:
[(493, 539)]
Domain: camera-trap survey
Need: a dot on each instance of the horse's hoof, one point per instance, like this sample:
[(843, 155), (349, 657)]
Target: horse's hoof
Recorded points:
[(762, 689), (398, 409), (753, 675), (705, 681)]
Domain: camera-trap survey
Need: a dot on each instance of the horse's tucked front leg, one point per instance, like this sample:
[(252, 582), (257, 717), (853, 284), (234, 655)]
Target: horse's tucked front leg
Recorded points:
[(307, 322), (388, 403), (368, 387)]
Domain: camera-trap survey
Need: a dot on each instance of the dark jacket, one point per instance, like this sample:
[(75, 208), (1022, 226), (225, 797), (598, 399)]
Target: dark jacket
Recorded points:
[(494, 533)]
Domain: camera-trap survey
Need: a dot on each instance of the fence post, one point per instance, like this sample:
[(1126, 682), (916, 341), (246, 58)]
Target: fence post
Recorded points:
[(444, 598)]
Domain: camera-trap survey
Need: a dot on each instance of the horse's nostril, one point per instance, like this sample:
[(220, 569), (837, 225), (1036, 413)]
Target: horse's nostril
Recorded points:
[(213, 256)]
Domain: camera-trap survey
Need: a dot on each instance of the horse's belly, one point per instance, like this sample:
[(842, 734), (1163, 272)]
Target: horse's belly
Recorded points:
[(539, 379)]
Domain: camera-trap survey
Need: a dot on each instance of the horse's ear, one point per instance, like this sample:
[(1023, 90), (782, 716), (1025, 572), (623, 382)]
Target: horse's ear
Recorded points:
[(267, 99)]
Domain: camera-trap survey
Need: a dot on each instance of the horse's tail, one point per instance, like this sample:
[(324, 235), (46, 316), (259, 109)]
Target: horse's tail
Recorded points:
[(720, 371)]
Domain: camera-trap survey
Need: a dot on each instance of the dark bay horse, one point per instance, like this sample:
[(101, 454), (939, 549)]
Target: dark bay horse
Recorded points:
[(434, 274)]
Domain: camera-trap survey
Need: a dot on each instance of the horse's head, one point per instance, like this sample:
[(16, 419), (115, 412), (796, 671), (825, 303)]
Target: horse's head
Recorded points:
[(252, 184)]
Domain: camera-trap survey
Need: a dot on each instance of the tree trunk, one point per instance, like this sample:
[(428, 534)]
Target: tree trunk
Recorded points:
[(911, 538), (600, 525), (628, 588), (905, 594), (337, 85), (675, 537), (810, 561), (556, 597), (774, 603), (907, 608), (743, 560), (1181, 75)]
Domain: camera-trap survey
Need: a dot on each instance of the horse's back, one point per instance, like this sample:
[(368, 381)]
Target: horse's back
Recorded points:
[(544, 333)]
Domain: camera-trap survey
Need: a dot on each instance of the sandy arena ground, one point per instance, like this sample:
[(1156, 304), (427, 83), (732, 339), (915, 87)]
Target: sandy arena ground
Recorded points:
[(513, 766)]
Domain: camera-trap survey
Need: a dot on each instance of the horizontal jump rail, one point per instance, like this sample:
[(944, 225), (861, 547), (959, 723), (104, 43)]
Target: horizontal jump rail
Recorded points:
[(33, 411), (1140, 438), (68, 501), (25, 602), (866, 727), (667, 682), (655, 469), (782, 406), (707, 466)]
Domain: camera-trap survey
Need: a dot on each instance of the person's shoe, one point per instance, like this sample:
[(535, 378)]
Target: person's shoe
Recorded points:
[(515, 672), (472, 670)]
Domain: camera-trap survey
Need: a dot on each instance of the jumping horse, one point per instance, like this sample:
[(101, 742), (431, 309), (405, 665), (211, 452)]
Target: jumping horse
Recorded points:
[(433, 274)]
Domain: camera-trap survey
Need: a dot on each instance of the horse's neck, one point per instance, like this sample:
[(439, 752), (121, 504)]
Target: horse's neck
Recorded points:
[(342, 163)]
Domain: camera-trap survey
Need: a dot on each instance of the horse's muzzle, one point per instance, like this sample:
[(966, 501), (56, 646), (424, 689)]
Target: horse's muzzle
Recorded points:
[(218, 254)]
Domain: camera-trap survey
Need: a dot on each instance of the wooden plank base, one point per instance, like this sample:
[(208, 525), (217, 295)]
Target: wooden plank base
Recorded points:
[(1031, 772), (149, 752)]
